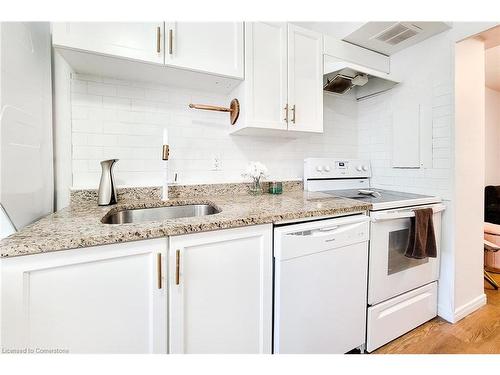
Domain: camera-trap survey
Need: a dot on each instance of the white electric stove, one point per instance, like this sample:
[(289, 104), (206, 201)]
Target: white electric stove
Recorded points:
[(402, 292), (350, 178)]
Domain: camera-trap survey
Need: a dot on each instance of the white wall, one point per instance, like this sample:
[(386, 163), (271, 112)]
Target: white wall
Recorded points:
[(469, 133), (425, 72), (492, 63), (492, 137), (125, 119), (26, 183), (62, 129)]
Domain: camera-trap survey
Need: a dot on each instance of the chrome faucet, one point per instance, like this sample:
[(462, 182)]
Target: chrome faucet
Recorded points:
[(107, 189)]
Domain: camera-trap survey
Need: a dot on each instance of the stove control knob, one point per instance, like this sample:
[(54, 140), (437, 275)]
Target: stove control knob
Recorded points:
[(326, 168), (319, 168), (365, 168), (358, 168)]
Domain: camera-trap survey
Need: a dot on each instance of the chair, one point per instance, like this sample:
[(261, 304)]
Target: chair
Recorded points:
[(490, 246), (492, 204), (491, 232)]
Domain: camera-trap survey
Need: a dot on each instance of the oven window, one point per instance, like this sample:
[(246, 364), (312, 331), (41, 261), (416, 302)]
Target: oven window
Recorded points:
[(398, 240)]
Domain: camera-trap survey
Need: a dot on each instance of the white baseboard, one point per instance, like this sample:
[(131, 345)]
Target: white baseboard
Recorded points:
[(464, 310), (446, 314)]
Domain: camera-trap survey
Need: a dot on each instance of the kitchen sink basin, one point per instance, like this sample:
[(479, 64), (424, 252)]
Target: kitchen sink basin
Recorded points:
[(141, 215)]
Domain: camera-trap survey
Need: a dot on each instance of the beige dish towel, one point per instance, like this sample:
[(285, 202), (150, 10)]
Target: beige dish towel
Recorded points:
[(422, 239)]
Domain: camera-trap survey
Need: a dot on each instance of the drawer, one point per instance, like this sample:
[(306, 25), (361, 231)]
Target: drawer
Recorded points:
[(399, 315)]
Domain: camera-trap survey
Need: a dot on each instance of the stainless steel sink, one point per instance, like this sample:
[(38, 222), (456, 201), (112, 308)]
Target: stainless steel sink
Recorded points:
[(140, 215)]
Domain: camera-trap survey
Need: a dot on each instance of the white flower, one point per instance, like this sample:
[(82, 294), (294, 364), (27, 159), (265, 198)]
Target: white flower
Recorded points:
[(256, 170)]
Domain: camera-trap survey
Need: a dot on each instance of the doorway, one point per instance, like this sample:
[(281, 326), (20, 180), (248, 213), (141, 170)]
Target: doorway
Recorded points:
[(491, 39)]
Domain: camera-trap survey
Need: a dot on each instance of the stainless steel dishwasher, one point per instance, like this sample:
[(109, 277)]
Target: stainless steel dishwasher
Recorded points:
[(321, 285)]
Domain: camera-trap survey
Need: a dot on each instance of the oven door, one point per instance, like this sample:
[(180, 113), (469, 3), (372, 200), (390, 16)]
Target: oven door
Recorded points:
[(390, 272)]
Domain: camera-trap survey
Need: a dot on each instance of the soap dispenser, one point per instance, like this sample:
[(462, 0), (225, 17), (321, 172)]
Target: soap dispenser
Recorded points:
[(107, 189)]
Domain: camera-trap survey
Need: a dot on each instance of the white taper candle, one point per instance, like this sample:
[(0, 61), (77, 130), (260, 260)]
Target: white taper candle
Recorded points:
[(165, 136), (164, 195)]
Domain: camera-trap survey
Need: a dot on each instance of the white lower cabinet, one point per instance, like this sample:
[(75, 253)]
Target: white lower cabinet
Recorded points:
[(113, 298), (220, 291), (106, 299)]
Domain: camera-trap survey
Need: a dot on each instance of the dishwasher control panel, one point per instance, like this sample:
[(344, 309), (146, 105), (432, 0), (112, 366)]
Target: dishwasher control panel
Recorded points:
[(297, 240)]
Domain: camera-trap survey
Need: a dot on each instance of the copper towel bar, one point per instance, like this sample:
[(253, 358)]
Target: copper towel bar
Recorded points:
[(234, 109)]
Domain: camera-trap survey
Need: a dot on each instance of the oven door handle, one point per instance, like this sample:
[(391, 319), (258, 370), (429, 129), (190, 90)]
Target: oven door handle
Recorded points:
[(402, 214)]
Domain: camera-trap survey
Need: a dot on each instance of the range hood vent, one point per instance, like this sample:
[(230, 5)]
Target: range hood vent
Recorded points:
[(397, 33), (390, 37), (341, 77)]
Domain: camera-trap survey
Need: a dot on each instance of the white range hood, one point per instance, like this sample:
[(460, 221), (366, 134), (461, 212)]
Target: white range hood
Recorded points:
[(342, 77)]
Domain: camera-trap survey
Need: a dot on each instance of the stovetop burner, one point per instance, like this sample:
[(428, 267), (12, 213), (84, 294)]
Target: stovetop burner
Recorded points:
[(350, 178), (383, 198)]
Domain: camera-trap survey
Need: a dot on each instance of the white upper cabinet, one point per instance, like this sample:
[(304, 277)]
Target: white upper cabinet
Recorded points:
[(283, 87), (133, 40), (214, 47), (266, 74), (220, 291), (195, 55), (305, 79), (105, 299)]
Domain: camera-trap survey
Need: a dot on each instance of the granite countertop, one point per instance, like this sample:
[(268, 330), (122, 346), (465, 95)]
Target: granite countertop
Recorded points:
[(79, 225)]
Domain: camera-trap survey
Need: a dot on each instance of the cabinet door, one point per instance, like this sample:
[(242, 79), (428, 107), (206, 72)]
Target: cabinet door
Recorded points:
[(221, 291), (305, 79), (135, 40), (105, 299), (212, 47), (266, 74)]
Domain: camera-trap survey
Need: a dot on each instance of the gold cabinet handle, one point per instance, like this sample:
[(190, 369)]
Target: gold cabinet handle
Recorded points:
[(158, 270), (286, 113), (170, 41), (158, 39), (177, 266), (293, 113)]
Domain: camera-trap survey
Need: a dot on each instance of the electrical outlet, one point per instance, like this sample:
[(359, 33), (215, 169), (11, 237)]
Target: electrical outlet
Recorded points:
[(216, 163)]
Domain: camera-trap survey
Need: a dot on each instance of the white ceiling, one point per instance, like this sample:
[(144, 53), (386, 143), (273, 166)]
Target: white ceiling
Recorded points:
[(492, 60), (338, 30), (362, 33)]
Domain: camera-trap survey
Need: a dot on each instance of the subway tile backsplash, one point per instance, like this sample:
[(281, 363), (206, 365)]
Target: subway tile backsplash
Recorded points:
[(375, 142), (125, 120)]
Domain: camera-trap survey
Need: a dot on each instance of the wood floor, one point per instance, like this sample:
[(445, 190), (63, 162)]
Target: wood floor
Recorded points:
[(478, 333)]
